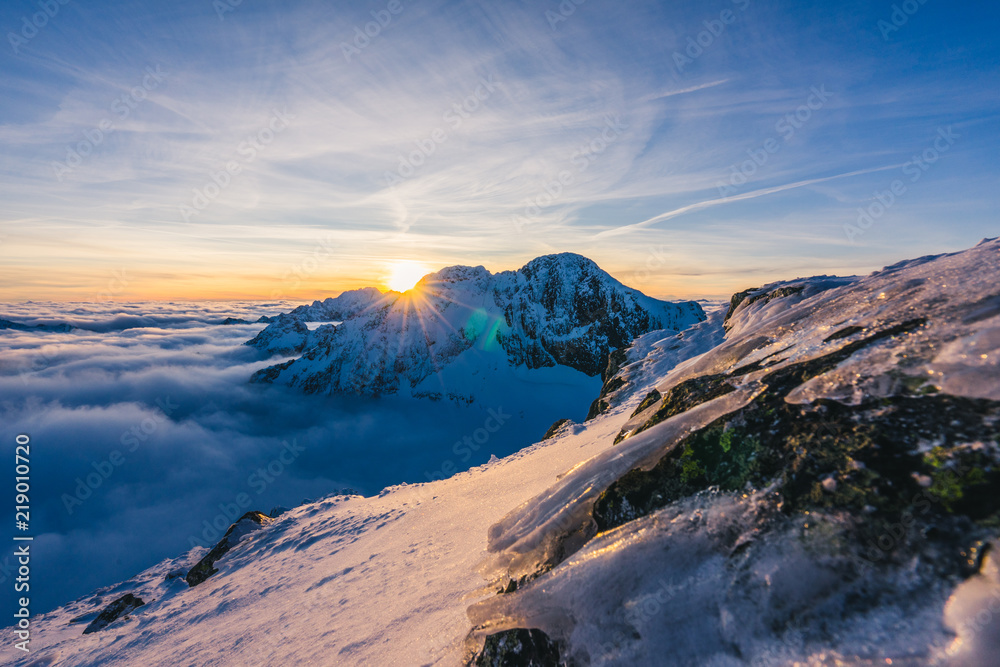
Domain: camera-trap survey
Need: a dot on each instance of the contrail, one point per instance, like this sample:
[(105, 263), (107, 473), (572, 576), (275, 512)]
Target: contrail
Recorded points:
[(725, 200), (692, 89)]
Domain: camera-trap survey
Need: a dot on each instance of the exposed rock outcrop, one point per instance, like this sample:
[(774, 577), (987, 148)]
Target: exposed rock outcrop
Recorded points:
[(555, 428), (117, 609), (205, 568), (519, 646)]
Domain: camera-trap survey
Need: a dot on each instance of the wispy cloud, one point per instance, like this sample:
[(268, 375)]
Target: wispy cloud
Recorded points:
[(357, 118)]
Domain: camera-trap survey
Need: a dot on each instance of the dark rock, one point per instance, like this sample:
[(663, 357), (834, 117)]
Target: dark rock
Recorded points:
[(559, 423), (511, 587), (612, 382), (684, 396), (271, 373), (205, 568), (843, 333), (234, 320), (16, 326), (735, 301), (651, 398), (51, 328), (766, 360), (120, 607), (616, 359), (750, 296), (870, 451), (518, 647), (277, 511)]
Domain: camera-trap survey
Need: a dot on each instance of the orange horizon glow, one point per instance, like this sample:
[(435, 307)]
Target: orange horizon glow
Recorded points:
[(160, 283)]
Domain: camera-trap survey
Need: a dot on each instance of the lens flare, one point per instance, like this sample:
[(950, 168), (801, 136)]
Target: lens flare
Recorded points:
[(404, 275)]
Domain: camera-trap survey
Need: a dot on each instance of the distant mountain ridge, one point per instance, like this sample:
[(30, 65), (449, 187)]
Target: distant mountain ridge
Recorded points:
[(557, 310)]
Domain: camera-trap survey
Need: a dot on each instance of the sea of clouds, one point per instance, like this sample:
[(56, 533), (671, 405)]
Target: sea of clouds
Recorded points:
[(146, 436)]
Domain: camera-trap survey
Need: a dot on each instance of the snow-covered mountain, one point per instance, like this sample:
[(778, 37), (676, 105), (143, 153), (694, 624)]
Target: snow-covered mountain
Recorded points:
[(340, 308), (464, 322), (288, 333), (815, 482)]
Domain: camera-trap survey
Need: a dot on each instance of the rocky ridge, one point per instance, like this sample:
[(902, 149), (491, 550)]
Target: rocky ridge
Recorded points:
[(556, 310)]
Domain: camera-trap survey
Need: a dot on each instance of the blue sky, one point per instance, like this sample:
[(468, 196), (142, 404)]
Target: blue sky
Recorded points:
[(598, 128)]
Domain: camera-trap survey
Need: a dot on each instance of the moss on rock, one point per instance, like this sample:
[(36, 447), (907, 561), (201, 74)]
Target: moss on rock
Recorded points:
[(650, 398), (868, 459), (686, 395)]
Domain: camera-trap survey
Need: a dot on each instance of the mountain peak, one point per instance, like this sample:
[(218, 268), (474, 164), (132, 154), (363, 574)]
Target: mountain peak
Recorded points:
[(561, 260), (455, 274), (557, 310)]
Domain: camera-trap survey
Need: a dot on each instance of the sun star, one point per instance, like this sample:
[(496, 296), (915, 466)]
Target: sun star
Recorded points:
[(404, 275)]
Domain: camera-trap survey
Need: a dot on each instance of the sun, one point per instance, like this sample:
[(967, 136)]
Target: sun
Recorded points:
[(404, 275)]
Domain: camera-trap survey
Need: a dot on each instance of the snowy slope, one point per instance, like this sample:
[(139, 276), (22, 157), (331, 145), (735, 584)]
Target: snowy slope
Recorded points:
[(345, 580), (557, 310), (755, 560), (289, 333), (348, 304), (732, 575)]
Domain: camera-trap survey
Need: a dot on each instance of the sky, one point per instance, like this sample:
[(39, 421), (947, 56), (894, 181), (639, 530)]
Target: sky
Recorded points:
[(251, 150)]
